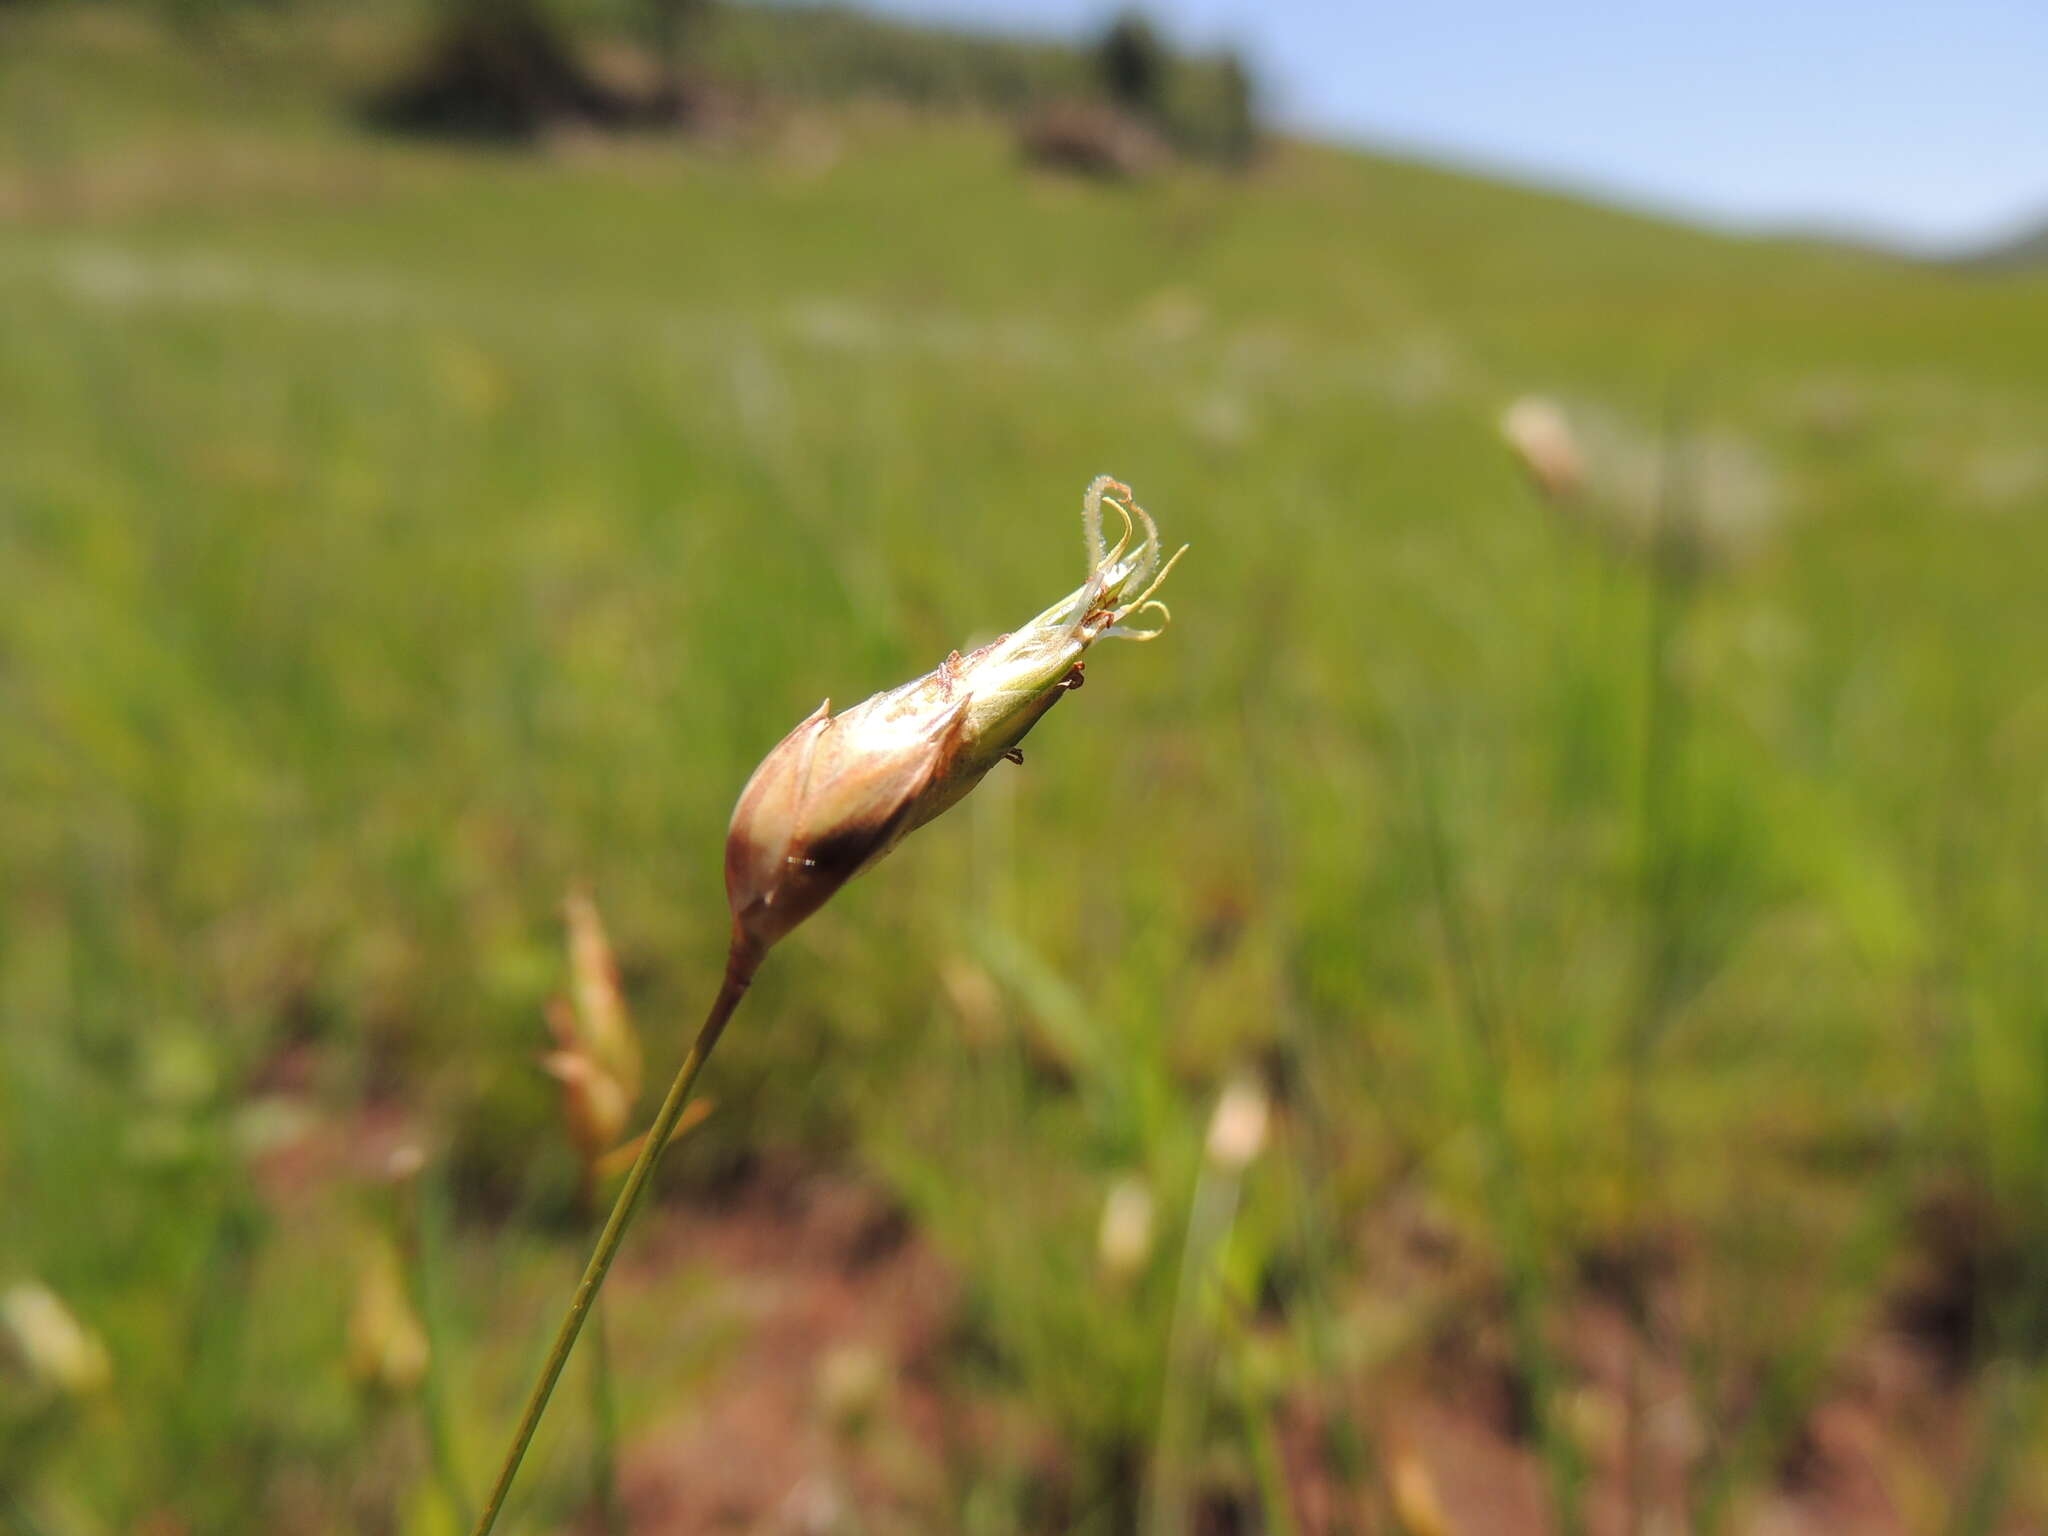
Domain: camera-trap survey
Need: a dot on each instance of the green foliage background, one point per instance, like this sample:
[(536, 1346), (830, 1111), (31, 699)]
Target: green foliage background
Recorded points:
[(391, 535)]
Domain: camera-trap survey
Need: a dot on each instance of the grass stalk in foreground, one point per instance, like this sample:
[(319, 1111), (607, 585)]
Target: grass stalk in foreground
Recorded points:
[(739, 974), (604, 1402), (839, 791), (604, 1411), (604, 1416)]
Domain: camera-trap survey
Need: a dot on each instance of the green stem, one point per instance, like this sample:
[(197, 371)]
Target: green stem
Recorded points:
[(419, 1242), (739, 973), (1276, 1500), (1661, 931), (1211, 1213), (604, 1470)]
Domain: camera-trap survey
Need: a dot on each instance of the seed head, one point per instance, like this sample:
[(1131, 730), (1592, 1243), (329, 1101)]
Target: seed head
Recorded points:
[(1237, 1129), (597, 1060), (841, 790), (387, 1343), (1123, 1241), (43, 1343), (1706, 500), (604, 1030), (1541, 438)]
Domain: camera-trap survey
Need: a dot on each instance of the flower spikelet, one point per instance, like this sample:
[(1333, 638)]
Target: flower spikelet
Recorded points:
[(841, 790)]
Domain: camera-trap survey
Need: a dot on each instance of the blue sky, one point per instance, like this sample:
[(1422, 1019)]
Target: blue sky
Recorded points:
[(1924, 123)]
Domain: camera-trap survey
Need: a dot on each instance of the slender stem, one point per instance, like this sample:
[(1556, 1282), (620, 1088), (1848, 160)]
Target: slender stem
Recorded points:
[(1660, 920), (1211, 1214), (604, 1471), (419, 1241), (739, 973), (1276, 1499), (604, 1411)]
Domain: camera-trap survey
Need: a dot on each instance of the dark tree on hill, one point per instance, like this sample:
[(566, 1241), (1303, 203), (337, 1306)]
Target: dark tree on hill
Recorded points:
[(1134, 64), (500, 69)]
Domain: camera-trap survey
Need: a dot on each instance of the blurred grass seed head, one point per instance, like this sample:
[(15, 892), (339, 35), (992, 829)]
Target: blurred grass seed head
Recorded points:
[(1622, 485), (387, 1342), (1237, 1130), (46, 1347), (597, 1056), (1124, 1239), (1541, 440)]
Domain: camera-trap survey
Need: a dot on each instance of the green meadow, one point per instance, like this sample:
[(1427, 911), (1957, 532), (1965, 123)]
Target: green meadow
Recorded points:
[(1633, 913)]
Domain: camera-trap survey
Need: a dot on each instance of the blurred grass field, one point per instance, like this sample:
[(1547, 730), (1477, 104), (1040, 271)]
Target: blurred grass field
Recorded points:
[(393, 536)]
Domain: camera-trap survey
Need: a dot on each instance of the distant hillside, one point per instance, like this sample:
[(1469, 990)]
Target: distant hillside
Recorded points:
[(2027, 249), (1205, 103), (834, 51)]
